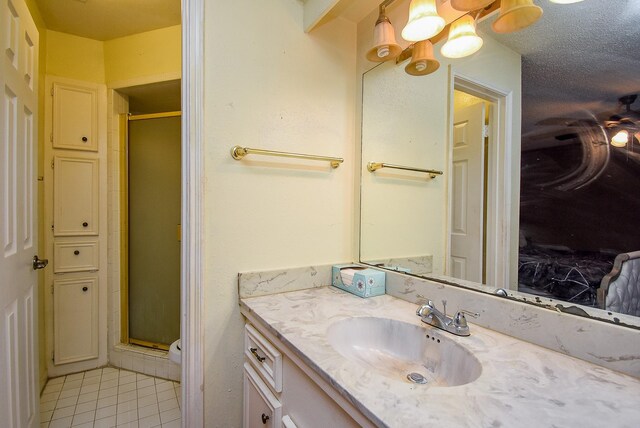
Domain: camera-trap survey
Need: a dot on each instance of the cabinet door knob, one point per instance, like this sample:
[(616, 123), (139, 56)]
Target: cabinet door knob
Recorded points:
[(85, 139), (85, 224), (76, 252), (265, 418), (85, 288)]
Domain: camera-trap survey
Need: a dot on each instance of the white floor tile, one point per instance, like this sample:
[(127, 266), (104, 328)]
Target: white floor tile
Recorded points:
[(69, 393), (146, 411), (127, 379), (74, 377), (91, 381), (110, 376), (56, 380), (86, 407), (89, 388), (124, 373), (173, 424), (127, 406), (107, 384), (52, 388), (132, 424), (105, 412), (108, 392), (52, 396), (145, 383), (126, 387), (108, 370), (66, 402), (125, 417), (93, 373), (127, 396), (149, 399), (108, 401), (168, 404), (141, 376), (149, 421), (62, 412), (87, 396), (61, 423), (84, 425), (164, 386), (49, 405), (149, 390), (166, 395), (83, 418), (169, 415), (71, 384), (109, 422)]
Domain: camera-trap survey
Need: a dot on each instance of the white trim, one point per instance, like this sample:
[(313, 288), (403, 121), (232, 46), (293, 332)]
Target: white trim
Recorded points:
[(192, 289), (499, 186)]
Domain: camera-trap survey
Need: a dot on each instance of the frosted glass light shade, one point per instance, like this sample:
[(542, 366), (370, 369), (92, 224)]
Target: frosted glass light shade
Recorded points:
[(516, 15), (463, 40), (620, 139), (424, 21), (564, 1), (384, 45), (471, 4), (422, 60)]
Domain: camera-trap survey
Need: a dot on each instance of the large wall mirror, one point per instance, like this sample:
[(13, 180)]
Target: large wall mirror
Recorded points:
[(537, 138)]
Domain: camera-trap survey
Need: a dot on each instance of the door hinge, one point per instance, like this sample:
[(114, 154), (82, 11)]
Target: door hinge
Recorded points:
[(53, 356), (52, 288), (485, 131), (51, 137), (52, 164), (51, 90)]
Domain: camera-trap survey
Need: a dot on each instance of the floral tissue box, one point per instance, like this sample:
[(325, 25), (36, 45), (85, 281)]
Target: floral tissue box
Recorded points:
[(358, 280)]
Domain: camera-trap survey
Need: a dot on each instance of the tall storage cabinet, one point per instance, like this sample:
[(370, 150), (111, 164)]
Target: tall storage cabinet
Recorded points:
[(75, 225)]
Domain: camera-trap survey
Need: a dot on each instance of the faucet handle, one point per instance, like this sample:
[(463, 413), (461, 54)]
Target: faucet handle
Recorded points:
[(471, 314)]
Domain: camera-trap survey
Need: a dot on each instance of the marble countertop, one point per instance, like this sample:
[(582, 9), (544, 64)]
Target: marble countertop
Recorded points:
[(521, 385)]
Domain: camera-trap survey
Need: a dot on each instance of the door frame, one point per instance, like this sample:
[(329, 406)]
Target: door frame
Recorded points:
[(498, 210), (192, 255)]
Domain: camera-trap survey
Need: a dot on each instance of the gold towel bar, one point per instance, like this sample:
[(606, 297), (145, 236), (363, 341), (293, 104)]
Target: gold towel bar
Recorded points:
[(373, 166), (239, 152)]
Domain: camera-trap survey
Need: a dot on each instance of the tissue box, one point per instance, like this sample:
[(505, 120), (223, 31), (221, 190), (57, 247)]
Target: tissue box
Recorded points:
[(367, 282)]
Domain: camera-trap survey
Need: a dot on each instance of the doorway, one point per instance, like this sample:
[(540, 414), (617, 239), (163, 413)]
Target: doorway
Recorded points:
[(151, 215)]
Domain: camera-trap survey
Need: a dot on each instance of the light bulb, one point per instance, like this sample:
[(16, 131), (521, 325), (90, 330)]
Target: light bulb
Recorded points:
[(620, 139), (424, 21), (463, 40)]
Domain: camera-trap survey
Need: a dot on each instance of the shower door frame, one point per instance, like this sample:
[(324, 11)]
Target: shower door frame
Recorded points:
[(124, 226)]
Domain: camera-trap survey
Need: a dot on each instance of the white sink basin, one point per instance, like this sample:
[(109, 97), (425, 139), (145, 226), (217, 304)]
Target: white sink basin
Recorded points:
[(396, 349)]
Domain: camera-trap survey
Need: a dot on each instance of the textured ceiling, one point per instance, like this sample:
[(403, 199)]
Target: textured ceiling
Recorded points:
[(577, 60), (108, 19)]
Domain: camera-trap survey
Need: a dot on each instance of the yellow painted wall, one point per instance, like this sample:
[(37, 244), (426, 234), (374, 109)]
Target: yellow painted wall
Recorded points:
[(273, 87), (75, 57), (152, 53)]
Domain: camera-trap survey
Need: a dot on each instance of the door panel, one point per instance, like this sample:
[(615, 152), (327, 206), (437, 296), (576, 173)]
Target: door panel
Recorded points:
[(467, 194), (18, 236)]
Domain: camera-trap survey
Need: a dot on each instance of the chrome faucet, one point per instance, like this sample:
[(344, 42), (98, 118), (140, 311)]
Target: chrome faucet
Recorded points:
[(432, 316)]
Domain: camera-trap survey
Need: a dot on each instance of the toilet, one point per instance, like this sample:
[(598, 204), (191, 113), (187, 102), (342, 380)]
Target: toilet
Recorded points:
[(175, 352)]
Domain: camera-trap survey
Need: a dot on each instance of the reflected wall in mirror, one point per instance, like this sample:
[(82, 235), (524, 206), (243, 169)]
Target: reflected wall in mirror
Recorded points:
[(536, 196)]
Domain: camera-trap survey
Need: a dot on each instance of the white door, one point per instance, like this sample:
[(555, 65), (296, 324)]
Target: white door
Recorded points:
[(467, 194), (18, 216)]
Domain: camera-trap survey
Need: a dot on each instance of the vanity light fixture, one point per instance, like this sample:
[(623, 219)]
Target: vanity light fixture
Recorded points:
[(516, 15), (424, 21), (422, 60), (562, 1), (620, 139), (470, 4), (385, 46), (463, 39)]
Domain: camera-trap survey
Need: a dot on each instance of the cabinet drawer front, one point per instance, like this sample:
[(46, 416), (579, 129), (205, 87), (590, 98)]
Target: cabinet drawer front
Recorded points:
[(264, 357), (261, 408), (77, 256)]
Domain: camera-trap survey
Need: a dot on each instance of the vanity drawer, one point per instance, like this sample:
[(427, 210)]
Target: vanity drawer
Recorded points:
[(264, 357), (261, 408), (75, 256)]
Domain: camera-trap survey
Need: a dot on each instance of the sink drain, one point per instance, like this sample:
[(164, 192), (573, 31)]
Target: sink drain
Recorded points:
[(416, 378)]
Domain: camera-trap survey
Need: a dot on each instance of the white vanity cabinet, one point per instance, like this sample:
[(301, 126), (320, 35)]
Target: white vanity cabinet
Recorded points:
[(281, 391)]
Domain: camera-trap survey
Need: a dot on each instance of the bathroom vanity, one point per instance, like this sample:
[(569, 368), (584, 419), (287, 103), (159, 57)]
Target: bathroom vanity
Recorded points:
[(322, 357)]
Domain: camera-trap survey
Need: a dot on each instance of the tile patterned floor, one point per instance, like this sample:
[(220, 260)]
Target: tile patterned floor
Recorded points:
[(110, 397)]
